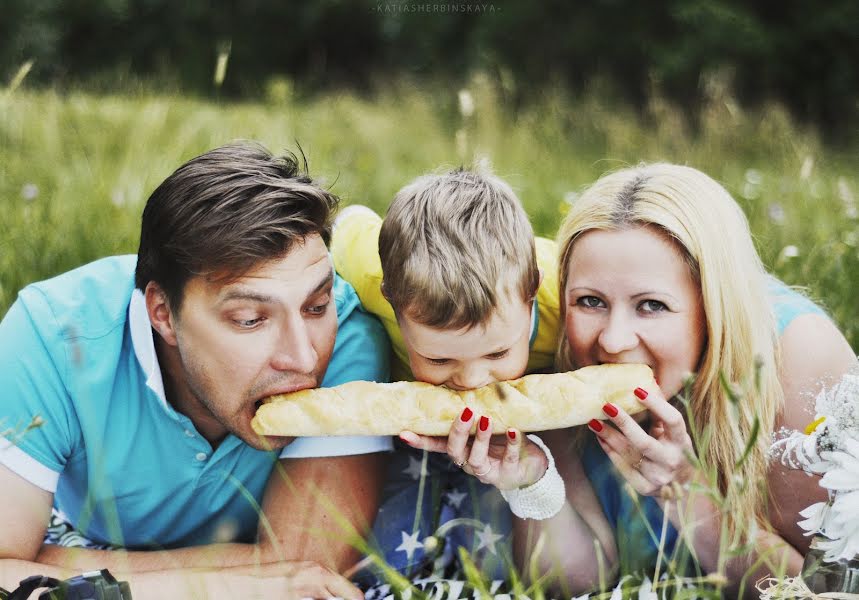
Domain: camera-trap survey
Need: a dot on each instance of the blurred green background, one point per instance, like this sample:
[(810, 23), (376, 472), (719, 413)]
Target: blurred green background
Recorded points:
[(102, 99)]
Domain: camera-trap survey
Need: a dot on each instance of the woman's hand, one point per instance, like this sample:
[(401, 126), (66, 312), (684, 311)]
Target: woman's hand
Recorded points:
[(506, 461), (649, 461)]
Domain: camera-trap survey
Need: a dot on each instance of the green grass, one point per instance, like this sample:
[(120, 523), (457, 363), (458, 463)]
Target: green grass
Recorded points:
[(75, 170)]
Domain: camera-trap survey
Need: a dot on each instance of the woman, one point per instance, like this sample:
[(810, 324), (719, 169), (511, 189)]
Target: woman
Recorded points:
[(657, 265)]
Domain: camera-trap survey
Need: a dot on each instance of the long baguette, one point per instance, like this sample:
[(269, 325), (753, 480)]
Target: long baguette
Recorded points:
[(530, 403)]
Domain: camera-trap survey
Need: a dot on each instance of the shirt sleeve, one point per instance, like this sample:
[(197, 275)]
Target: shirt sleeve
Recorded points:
[(361, 353), (36, 417)]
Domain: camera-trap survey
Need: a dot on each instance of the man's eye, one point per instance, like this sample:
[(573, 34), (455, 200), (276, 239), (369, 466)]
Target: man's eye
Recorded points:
[(498, 355), (319, 309), (248, 323), (652, 306), (589, 302)]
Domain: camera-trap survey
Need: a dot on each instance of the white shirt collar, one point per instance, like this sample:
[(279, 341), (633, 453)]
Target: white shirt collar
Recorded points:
[(144, 345)]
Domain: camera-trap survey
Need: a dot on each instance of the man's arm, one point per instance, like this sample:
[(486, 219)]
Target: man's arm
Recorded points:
[(321, 509), (291, 581)]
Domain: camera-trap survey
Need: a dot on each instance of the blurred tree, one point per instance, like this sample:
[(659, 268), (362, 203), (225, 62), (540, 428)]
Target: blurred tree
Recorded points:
[(795, 51)]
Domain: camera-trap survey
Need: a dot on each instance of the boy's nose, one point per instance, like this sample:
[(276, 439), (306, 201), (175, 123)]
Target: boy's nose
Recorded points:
[(471, 377)]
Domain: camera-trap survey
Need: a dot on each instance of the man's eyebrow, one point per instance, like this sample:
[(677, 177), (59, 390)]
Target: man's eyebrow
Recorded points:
[(323, 283), (241, 293)]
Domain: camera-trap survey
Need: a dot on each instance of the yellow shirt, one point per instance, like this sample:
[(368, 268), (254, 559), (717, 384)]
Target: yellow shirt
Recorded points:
[(355, 250)]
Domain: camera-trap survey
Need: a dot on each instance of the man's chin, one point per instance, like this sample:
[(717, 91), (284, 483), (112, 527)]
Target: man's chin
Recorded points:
[(268, 442)]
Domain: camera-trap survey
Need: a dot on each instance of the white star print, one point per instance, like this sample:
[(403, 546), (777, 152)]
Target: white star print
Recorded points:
[(455, 497), (415, 468), (487, 539), (410, 544)]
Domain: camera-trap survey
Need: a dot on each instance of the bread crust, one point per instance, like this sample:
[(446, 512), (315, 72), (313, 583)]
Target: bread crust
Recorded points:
[(531, 403)]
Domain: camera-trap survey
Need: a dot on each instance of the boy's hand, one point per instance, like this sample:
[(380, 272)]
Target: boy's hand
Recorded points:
[(502, 460)]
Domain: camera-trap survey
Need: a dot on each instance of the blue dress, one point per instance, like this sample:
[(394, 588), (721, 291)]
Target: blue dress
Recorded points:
[(638, 520)]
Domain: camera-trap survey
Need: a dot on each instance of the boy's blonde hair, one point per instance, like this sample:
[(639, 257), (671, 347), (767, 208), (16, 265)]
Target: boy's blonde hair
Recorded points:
[(712, 233), (453, 245)]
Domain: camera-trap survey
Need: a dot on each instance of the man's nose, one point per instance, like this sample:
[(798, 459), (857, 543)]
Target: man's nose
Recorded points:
[(618, 335), (295, 351)]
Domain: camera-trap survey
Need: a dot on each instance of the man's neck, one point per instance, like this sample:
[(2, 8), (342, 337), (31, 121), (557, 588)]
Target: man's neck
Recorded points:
[(180, 397)]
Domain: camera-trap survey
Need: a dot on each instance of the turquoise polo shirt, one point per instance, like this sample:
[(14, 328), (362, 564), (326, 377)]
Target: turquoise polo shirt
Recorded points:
[(123, 465)]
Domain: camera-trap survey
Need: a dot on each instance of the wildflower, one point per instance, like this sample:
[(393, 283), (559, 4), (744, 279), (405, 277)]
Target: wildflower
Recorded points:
[(29, 191), (754, 177), (806, 168), (466, 103), (790, 251), (814, 517), (776, 213)]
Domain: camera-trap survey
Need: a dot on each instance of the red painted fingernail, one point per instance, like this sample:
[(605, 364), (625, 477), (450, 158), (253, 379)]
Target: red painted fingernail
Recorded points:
[(484, 423), (512, 435), (595, 425), (610, 409), (642, 394), (656, 380), (466, 415)]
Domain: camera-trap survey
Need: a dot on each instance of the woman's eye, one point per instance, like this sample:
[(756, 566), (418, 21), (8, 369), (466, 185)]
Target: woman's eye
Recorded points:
[(498, 355), (652, 306), (438, 361), (589, 302)]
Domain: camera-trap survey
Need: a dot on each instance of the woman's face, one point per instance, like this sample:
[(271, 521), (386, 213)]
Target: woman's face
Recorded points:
[(630, 298)]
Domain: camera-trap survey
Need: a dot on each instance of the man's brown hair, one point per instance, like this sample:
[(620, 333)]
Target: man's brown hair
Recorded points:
[(226, 211), (453, 245)]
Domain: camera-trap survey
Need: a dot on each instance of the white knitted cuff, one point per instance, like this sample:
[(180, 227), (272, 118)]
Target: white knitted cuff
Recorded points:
[(540, 500)]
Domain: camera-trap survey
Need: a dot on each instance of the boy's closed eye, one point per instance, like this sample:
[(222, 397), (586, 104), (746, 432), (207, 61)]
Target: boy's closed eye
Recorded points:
[(492, 356)]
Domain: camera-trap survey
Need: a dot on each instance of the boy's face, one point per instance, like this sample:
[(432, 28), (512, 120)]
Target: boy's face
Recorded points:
[(468, 358)]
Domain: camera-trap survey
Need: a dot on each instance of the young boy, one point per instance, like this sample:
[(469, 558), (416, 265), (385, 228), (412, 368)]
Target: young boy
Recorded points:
[(468, 297)]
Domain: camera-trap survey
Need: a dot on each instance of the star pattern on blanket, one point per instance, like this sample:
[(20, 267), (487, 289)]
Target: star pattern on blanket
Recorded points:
[(455, 497), (487, 538), (416, 468), (410, 544)]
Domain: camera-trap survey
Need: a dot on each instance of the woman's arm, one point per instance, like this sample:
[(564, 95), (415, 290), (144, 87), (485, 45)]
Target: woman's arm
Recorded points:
[(578, 543)]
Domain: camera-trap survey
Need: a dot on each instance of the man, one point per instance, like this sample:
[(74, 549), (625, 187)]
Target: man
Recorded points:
[(143, 375)]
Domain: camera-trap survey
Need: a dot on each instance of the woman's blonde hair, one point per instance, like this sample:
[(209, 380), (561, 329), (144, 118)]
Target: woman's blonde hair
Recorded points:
[(712, 233)]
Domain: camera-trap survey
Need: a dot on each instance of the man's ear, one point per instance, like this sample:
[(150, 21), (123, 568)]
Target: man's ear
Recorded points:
[(539, 280), (160, 315)]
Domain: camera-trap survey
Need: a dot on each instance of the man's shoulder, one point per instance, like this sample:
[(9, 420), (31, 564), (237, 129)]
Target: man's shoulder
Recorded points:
[(88, 301)]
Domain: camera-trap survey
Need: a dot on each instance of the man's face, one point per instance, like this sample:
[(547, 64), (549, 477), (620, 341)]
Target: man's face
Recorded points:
[(469, 358), (269, 332)]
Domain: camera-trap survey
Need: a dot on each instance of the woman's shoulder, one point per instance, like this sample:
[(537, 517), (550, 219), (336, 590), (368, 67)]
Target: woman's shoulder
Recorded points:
[(789, 303)]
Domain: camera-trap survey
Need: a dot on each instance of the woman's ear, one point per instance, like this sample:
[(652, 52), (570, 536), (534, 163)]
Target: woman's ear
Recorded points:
[(382, 289), (160, 316)]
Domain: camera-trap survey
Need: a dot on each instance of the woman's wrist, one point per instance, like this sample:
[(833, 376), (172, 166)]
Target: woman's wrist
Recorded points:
[(542, 499)]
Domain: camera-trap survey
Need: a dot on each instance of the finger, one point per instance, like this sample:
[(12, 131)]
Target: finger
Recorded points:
[(457, 442), (424, 442), (510, 461), (637, 437), (358, 566), (675, 424), (638, 481), (478, 459), (340, 587)]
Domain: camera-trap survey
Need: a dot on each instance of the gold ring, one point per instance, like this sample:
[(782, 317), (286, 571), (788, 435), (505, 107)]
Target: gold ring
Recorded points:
[(485, 472), (462, 464), (637, 466)]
